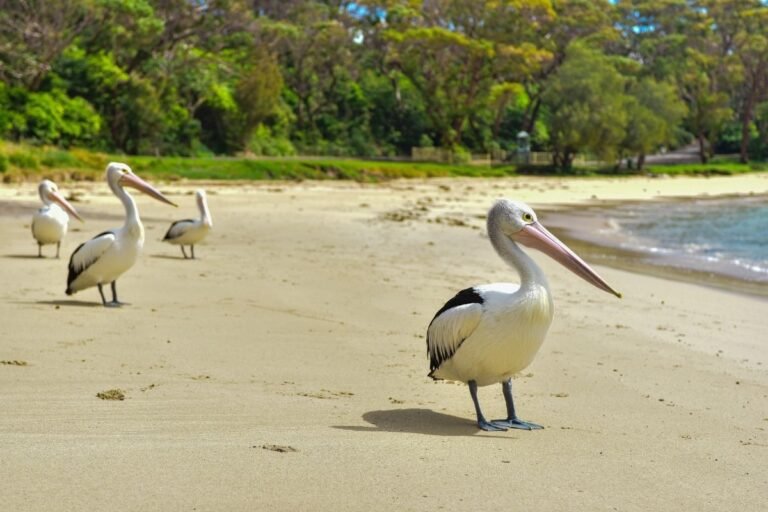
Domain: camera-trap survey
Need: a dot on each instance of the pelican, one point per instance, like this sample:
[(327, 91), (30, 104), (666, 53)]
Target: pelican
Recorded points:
[(487, 333), (108, 255), (49, 223), (190, 231)]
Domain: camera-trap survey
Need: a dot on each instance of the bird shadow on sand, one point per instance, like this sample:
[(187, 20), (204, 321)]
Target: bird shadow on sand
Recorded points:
[(167, 257), (28, 257), (416, 421), (70, 303)]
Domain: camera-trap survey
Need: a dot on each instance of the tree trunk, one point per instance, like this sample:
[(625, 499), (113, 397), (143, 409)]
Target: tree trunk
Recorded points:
[(530, 121), (746, 119), (567, 160), (703, 148), (640, 161)]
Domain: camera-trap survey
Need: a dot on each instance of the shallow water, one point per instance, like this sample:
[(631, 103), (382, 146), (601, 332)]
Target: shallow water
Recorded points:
[(722, 236)]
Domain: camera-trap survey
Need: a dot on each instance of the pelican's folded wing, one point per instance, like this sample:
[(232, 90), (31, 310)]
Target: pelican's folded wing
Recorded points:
[(88, 253), (178, 228), (454, 323)]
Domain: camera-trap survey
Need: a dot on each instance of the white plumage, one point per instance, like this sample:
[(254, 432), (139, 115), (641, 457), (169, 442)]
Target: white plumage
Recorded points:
[(487, 333), (191, 231), (498, 338), (49, 223), (104, 258)]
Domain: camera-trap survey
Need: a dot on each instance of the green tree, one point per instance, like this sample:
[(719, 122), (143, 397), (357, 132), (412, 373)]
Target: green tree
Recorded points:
[(257, 93), (654, 112), (587, 107)]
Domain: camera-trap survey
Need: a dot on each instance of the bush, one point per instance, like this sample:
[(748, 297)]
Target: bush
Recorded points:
[(59, 158), (3, 163), (24, 160), (461, 155), (264, 143), (53, 118)]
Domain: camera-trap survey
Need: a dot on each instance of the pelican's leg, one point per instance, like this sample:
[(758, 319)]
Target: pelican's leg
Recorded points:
[(482, 423), (183, 251), (101, 292), (39, 250), (115, 303), (58, 246), (192, 248), (512, 421)]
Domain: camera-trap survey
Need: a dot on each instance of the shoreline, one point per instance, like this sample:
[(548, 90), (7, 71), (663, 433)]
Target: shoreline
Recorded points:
[(602, 241), (571, 199)]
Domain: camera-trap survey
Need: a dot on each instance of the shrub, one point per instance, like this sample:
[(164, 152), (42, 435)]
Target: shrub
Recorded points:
[(264, 143), (24, 160), (59, 158)]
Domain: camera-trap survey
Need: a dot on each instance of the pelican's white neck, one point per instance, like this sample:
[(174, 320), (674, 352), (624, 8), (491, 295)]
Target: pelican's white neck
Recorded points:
[(132, 221), (205, 213), (530, 273), (42, 192)]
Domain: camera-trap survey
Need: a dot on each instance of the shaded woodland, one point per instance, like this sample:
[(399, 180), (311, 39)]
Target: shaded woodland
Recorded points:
[(378, 78)]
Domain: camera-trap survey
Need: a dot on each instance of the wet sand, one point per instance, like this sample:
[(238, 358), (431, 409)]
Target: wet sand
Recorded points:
[(285, 369)]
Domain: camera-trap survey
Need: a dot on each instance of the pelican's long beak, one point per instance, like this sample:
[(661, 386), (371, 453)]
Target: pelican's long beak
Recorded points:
[(58, 198), (538, 237), (131, 180)]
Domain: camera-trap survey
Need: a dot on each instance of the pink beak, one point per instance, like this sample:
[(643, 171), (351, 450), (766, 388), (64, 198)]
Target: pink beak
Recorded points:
[(131, 180), (536, 236), (58, 198)]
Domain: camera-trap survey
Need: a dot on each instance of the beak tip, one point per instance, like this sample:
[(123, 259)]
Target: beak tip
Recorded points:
[(618, 294)]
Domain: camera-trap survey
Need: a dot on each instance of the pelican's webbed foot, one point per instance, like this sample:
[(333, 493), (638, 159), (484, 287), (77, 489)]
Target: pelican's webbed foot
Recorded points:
[(512, 421), (114, 303), (516, 423), (490, 426), (482, 423)]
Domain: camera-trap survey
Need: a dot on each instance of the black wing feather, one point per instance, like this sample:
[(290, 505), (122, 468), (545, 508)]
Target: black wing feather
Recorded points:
[(464, 297), (168, 233), (72, 275)]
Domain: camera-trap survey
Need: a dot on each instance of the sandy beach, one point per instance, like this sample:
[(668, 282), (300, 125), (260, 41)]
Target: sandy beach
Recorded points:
[(285, 369)]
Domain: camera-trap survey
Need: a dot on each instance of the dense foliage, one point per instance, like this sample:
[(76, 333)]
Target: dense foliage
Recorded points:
[(379, 77)]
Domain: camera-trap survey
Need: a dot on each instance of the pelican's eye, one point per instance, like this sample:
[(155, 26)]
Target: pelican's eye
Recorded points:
[(527, 217)]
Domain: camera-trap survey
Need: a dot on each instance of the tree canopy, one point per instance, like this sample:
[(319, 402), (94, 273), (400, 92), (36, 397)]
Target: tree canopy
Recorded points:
[(378, 77)]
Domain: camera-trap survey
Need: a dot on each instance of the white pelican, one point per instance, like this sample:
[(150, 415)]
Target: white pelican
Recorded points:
[(49, 223), (190, 231), (108, 255), (487, 333)]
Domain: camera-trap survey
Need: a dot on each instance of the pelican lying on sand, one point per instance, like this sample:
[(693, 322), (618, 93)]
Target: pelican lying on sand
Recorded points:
[(487, 333), (108, 255), (189, 231), (49, 223)]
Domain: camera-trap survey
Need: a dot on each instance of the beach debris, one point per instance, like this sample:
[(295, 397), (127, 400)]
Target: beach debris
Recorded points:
[(14, 362), (111, 394), (278, 448), (401, 215), (326, 394), (449, 221)]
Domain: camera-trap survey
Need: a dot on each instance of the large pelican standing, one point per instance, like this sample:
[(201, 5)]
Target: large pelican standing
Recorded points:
[(190, 231), (487, 333), (49, 223), (108, 255)]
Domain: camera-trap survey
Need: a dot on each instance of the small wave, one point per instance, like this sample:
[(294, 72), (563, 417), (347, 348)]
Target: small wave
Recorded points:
[(721, 236)]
